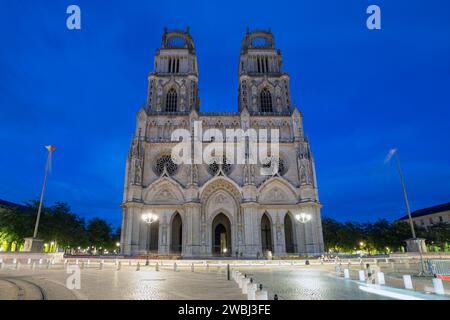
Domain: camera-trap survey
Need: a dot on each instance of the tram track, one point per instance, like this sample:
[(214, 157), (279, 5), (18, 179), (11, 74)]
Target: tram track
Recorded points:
[(26, 290)]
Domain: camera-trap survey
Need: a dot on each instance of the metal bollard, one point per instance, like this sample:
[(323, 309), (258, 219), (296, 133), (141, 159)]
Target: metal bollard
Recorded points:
[(138, 266), (438, 286), (48, 264), (261, 295), (33, 266), (77, 261), (17, 265), (408, 282), (100, 266), (129, 262), (157, 266), (89, 262), (192, 267), (175, 266), (119, 265), (207, 267)]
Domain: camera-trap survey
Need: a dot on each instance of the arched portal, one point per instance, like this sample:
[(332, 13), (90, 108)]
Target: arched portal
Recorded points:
[(266, 233), (153, 236), (176, 234), (289, 234), (221, 235)]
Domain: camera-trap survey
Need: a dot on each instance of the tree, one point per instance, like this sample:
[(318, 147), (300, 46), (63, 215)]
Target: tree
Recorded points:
[(99, 233), (439, 234), (378, 235)]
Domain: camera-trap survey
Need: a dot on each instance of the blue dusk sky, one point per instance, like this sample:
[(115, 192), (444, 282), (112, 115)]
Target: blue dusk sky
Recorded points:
[(361, 92)]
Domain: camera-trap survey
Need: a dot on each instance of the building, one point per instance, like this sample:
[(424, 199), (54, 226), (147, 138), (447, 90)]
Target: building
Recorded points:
[(221, 208), (7, 205), (427, 217)]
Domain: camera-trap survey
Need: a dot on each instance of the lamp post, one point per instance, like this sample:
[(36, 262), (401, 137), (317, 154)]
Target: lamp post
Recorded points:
[(148, 218), (414, 241), (303, 218), (118, 247)]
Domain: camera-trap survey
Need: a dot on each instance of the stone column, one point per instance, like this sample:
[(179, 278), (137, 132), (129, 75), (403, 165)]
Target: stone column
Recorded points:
[(135, 230), (192, 223), (251, 241), (300, 235), (278, 232)]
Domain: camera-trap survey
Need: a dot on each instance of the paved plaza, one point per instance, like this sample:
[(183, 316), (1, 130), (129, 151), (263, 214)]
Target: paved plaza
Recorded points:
[(196, 280)]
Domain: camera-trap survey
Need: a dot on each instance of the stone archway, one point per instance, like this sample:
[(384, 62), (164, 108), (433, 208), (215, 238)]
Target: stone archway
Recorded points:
[(266, 233), (153, 237), (176, 243), (221, 236), (289, 234)]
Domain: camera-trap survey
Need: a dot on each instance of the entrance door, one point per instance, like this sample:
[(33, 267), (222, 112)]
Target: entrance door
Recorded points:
[(221, 235), (177, 231), (289, 234), (266, 233)]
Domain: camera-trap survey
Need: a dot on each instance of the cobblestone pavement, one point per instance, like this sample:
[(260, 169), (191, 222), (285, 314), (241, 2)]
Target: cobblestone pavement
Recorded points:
[(312, 282), (307, 283), (126, 284)]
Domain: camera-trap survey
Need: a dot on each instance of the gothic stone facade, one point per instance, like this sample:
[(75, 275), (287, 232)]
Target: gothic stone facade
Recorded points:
[(219, 209)]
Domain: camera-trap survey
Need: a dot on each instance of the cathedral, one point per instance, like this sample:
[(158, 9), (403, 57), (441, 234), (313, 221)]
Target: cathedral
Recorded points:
[(219, 209)]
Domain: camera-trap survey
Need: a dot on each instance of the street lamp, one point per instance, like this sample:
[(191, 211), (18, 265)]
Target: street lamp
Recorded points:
[(303, 217), (148, 218), (118, 247)]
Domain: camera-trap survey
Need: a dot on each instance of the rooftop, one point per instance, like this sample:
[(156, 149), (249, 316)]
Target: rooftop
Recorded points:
[(427, 211)]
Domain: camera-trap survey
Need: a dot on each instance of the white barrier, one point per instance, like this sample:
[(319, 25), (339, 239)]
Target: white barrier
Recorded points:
[(240, 281), (40, 261), (438, 286), (346, 274), (251, 291), (380, 278), (362, 275), (261, 295), (408, 282), (245, 283), (29, 261)]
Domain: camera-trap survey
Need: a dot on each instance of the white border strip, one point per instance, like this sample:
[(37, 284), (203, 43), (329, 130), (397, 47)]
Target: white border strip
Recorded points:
[(389, 294)]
